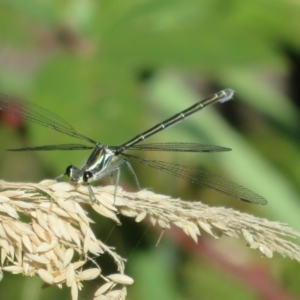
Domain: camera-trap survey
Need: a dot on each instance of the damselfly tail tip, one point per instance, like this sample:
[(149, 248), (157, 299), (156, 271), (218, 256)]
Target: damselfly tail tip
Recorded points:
[(226, 95)]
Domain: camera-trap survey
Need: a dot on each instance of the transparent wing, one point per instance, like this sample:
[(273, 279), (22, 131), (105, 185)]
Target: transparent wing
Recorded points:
[(36, 114), (179, 147), (54, 147), (204, 178)]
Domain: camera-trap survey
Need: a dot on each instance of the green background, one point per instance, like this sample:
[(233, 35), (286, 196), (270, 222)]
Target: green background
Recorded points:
[(113, 69)]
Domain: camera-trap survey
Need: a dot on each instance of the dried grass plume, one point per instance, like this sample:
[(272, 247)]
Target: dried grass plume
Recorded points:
[(56, 241)]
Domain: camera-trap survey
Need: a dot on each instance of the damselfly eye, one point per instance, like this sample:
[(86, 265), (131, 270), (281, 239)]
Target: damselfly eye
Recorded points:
[(87, 176), (69, 170)]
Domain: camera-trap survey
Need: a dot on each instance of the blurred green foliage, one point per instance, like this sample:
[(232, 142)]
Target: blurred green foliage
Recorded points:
[(114, 68)]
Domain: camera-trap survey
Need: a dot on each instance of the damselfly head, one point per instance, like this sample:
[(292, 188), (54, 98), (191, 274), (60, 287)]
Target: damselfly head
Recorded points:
[(75, 174)]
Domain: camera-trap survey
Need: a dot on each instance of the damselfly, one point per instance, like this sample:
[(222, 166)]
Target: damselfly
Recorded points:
[(104, 160)]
